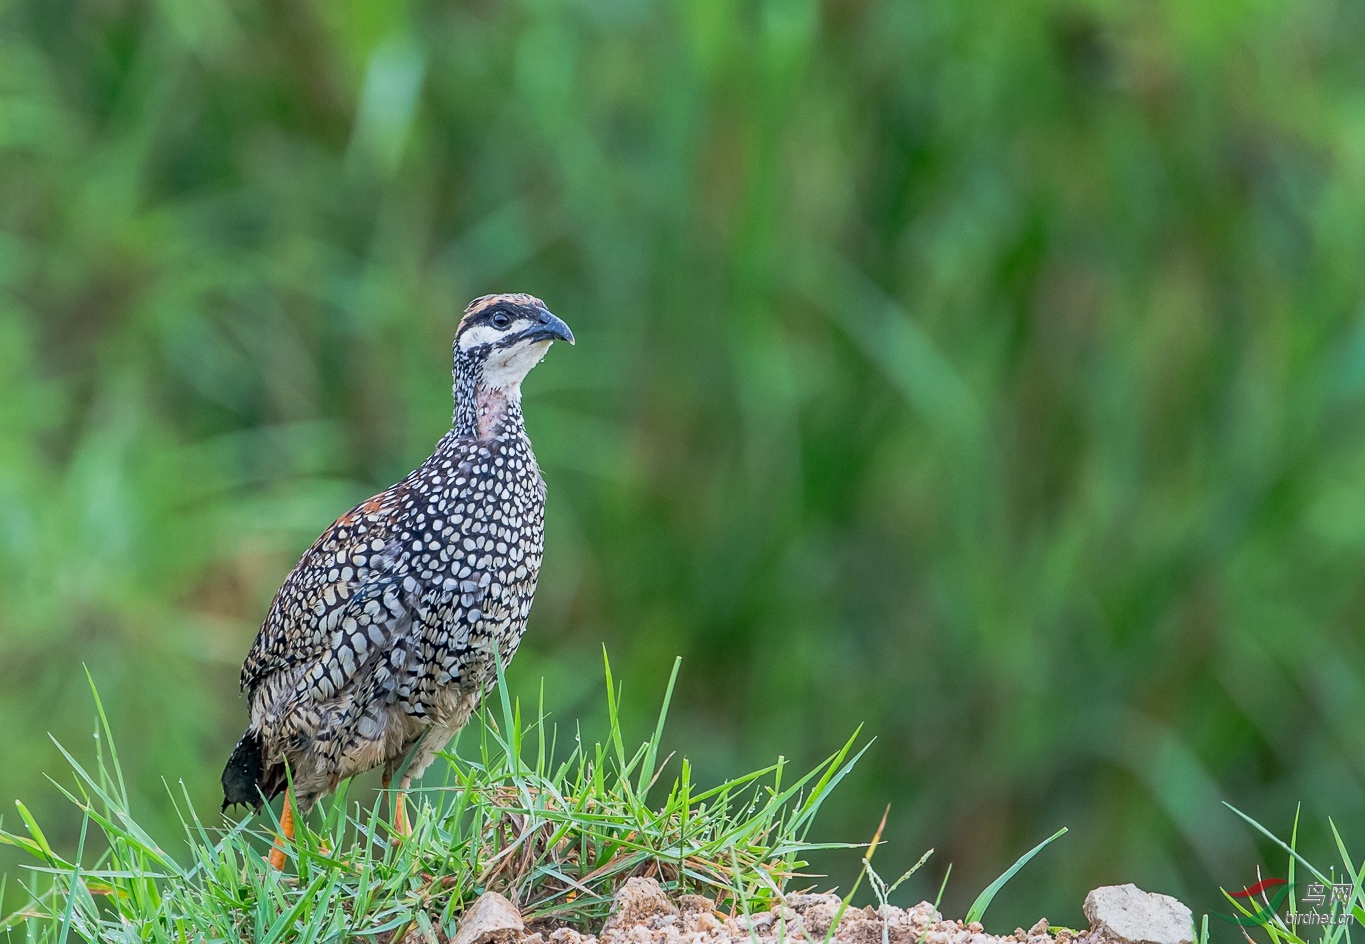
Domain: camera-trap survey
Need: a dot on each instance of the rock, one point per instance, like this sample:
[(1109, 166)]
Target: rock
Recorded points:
[(762, 921), (818, 917), (924, 914), (694, 903), (492, 919), (1125, 914), (637, 901), (816, 911), (706, 922), (803, 901), (570, 936)]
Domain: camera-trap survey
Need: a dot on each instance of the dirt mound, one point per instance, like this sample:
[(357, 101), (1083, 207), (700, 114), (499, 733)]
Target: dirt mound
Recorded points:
[(644, 914)]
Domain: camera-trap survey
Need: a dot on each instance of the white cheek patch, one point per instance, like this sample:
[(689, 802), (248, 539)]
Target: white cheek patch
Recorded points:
[(507, 368), (478, 335)]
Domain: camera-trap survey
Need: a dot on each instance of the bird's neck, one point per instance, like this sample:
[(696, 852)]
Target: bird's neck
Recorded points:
[(484, 412)]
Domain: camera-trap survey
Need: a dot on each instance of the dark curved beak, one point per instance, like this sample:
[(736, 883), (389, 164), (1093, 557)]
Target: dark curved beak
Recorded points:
[(550, 329)]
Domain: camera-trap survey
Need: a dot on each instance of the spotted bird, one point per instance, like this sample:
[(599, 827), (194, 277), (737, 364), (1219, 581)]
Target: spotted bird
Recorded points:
[(381, 641)]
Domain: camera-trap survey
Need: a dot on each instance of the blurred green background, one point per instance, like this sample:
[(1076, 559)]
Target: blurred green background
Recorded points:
[(992, 375)]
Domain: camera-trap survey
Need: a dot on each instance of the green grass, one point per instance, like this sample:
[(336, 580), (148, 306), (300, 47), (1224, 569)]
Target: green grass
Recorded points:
[(555, 826), (1277, 918), (882, 891), (983, 901)]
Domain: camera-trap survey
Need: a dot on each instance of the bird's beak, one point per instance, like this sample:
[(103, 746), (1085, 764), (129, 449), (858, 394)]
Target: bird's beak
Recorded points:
[(550, 329)]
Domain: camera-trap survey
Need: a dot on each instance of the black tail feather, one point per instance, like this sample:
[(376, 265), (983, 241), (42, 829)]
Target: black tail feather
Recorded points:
[(246, 778)]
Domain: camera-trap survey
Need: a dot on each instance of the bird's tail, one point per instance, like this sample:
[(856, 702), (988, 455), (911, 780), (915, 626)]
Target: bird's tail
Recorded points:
[(247, 779)]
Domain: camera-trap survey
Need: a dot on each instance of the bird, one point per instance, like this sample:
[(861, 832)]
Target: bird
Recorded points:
[(381, 641)]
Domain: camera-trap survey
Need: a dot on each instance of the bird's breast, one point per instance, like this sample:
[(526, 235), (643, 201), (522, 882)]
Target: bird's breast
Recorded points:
[(478, 545)]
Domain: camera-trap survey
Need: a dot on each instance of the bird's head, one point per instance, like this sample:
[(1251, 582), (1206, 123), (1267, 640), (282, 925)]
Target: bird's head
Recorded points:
[(501, 337)]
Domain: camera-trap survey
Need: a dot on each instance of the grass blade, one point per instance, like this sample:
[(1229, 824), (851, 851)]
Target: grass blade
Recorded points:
[(983, 901)]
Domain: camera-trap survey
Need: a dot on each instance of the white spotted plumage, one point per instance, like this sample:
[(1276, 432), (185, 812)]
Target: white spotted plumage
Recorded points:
[(382, 639)]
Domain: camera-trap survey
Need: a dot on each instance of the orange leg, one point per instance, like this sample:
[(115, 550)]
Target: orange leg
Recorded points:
[(287, 828), (400, 809)]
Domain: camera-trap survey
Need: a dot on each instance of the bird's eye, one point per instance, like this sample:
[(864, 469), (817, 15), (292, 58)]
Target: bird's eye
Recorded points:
[(501, 320)]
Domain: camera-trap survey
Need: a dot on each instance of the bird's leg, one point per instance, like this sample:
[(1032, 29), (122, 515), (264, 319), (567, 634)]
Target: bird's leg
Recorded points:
[(287, 834), (400, 808), (400, 811)]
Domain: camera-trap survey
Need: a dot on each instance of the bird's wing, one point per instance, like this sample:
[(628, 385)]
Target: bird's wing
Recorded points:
[(346, 585)]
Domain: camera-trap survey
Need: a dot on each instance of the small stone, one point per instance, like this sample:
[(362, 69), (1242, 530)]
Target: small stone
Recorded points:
[(492, 918), (694, 903), (819, 917), (761, 920), (925, 913), (636, 902), (1125, 914), (802, 902), (1039, 928)]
